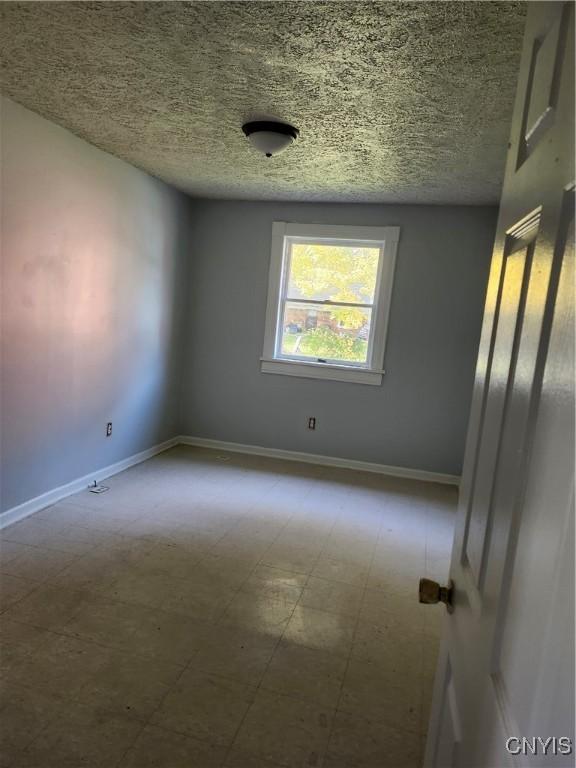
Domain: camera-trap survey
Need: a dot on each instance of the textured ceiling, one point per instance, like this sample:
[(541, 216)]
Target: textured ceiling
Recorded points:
[(395, 101)]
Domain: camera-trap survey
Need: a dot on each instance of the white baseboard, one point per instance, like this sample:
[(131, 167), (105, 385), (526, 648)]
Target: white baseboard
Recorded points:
[(56, 494), (328, 461)]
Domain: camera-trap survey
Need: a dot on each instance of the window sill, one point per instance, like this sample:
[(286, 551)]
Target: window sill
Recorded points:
[(324, 371)]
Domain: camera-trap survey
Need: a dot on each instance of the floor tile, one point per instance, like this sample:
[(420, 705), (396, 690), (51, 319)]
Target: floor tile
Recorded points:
[(95, 572), (379, 608), (47, 534), (305, 673), (395, 580), (10, 550), (166, 635), (81, 736), (205, 706), (195, 597), (275, 583), (158, 748), (348, 547), (278, 576), (223, 571), (14, 588), (238, 604), (128, 684), (30, 531), (291, 557), (108, 622), (236, 653), (61, 665), (18, 641), (138, 629), (285, 730), (393, 647), (259, 613), (48, 606), (239, 759), (331, 596), (437, 567), (167, 557), (433, 620), (359, 743), (38, 564), (330, 632), (382, 694), (338, 569), (245, 549), (25, 713)]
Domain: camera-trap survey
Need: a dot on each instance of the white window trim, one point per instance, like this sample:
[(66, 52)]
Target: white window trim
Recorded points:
[(270, 362)]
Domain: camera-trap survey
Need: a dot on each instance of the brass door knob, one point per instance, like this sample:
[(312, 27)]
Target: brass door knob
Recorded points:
[(430, 592)]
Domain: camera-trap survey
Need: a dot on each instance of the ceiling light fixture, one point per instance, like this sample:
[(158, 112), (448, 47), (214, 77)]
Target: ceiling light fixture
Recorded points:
[(269, 137)]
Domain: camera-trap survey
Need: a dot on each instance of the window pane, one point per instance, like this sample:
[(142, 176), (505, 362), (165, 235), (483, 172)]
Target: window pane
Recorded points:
[(337, 272), (329, 333)]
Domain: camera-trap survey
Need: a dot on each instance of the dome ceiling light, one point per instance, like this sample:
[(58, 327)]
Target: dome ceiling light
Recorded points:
[(269, 137)]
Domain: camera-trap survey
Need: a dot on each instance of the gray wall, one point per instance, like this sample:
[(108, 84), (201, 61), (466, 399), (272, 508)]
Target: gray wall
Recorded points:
[(115, 309), (92, 253), (418, 417)]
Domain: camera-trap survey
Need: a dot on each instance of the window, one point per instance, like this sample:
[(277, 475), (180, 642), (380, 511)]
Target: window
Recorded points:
[(328, 301)]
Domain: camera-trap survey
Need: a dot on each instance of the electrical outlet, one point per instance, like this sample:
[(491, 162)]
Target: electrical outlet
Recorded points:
[(312, 422), (108, 429)]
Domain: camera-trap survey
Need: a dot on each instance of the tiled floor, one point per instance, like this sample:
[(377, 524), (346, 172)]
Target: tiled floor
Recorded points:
[(223, 611)]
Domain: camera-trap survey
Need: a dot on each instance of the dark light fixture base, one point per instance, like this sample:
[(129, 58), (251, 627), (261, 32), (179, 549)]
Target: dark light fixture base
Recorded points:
[(269, 125)]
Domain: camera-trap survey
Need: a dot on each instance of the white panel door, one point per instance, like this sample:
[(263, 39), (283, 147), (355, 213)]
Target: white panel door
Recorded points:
[(504, 690)]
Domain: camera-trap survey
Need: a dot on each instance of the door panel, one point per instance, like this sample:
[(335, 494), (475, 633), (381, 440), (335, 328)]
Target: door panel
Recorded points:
[(545, 72), (534, 628), (539, 547), (506, 663), (508, 325), (448, 744)]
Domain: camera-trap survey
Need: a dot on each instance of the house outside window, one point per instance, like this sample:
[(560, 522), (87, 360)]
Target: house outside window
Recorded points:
[(328, 301)]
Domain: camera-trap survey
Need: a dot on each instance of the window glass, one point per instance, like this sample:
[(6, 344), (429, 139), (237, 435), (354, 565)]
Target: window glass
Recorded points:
[(329, 289), (327, 308), (328, 333), (335, 272)]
